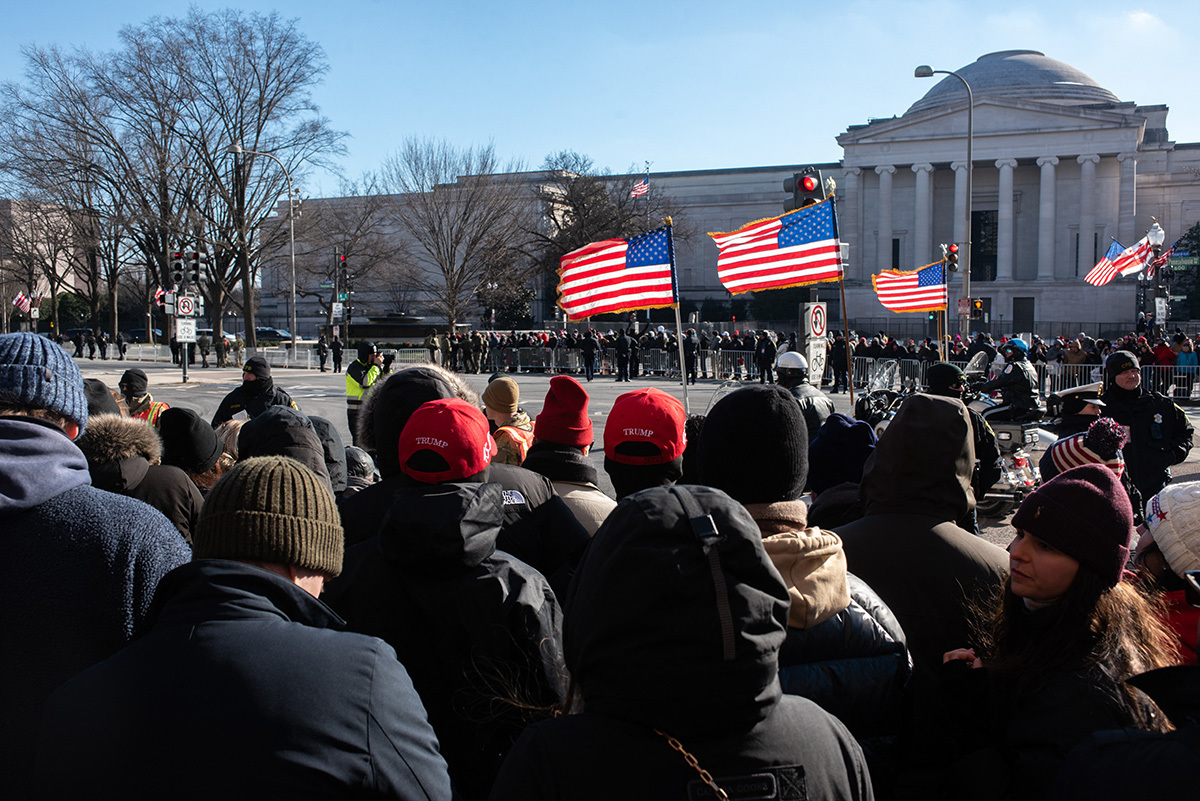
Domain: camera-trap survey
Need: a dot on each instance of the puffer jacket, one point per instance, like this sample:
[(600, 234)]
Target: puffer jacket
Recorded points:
[(123, 456), (672, 634), (478, 630)]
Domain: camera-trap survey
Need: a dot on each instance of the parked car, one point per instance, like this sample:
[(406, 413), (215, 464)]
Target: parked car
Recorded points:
[(200, 332), (266, 334), (139, 335)]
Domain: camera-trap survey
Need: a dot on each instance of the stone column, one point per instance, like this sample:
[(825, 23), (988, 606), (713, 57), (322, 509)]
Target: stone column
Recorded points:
[(1087, 212), (1004, 221), (960, 201), (849, 220), (884, 238), (1046, 219), (1127, 211), (923, 213)]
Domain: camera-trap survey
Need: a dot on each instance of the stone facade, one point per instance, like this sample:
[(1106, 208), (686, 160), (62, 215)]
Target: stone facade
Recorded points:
[(1061, 167)]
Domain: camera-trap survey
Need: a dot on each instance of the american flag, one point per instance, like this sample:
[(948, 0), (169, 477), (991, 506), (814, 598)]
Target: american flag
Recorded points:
[(618, 275), (159, 294), (1071, 452), (1105, 269), (1161, 261), (640, 188), (23, 302), (799, 248), (912, 291)]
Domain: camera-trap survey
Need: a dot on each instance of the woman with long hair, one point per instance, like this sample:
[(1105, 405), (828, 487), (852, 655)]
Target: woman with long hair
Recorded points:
[(1058, 644)]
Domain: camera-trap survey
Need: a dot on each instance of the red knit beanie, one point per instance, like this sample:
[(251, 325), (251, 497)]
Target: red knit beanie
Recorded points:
[(564, 416), (1085, 513)]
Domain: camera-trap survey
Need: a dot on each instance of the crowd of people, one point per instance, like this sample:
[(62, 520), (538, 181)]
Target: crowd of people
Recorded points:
[(777, 603)]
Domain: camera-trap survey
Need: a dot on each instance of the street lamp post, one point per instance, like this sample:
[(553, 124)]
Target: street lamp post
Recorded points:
[(237, 150), (925, 71), (1156, 236)]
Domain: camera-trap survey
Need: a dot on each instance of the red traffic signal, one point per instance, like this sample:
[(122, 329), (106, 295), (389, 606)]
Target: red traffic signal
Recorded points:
[(805, 189), (951, 252), (809, 184)]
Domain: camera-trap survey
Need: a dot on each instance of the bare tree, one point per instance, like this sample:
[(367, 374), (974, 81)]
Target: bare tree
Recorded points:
[(581, 204), (346, 234), (156, 118), (463, 210)]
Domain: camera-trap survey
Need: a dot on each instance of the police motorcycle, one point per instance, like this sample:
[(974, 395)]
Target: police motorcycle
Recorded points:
[(1020, 475), (884, 394)]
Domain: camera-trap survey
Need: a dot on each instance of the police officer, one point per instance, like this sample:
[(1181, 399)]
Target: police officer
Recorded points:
[(361, 375), (1017, 385), (792, 371), (1159, 432)]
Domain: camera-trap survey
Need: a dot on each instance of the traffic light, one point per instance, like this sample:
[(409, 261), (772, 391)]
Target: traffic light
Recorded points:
[(933, 315), (177, 269), (194, 269), (951, 252), (805, 187), (976, 308)]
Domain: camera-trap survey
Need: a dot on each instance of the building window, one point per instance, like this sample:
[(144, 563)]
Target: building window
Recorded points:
[(895, 254), (983, 245), (1022, 319)]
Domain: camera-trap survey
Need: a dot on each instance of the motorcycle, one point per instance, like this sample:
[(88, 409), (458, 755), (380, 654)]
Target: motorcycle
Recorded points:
[(1020, 475), (877, 406)]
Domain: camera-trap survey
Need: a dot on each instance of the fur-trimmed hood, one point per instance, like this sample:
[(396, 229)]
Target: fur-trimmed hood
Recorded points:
[(111, 438), (392, 401)]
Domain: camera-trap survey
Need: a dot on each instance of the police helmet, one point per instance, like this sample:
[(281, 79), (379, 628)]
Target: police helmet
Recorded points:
[(791, 365)]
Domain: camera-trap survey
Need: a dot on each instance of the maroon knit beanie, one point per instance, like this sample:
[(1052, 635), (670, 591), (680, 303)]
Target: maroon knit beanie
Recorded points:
[(564, 416), (1085, 513)]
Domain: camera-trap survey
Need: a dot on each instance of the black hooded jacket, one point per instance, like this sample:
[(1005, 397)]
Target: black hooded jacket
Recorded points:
[(907, 546), (538, 527), (478, 631), (675, 627), (281, 431), (243, 688)]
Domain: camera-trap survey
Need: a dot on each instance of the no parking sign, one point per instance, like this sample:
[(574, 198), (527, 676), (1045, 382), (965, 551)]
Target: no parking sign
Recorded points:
[(816, 320)]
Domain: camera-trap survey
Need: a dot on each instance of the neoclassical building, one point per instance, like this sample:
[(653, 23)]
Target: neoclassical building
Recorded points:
[(1061, 167)]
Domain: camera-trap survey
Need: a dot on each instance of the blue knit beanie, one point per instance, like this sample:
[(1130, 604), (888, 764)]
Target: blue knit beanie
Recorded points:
[(37, 373)]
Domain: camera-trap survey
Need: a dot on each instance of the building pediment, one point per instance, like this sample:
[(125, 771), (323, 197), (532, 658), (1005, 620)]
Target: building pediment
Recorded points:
[(1003, 128)]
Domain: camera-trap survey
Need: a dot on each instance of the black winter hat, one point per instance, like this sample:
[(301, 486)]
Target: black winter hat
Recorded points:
[(135, 380), (1118, 362), (365, 349), (257, 365), (1085, 513), (839, 452), (359, 463), (189, 442), (283, 431), (755, 445), (394, 403), (99, 398), (943, 375)]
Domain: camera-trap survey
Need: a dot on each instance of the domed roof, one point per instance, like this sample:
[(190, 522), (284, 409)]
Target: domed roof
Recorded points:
[(1025, 74)]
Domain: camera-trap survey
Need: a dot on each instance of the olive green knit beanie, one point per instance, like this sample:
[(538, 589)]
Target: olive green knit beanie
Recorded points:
[(271, 509)]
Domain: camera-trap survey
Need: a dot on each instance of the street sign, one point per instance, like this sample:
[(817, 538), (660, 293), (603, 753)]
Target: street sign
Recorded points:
[(815, 319), (186, 307), (185, 329), (338, 309), (343, 296), (326, 285), (964, 306)]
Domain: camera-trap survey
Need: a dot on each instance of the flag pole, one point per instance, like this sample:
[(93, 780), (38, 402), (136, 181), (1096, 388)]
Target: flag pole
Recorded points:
[(669, 222), (846, 334)]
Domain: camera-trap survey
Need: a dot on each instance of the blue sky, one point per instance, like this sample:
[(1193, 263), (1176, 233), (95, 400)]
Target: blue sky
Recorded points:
[(696, 85)]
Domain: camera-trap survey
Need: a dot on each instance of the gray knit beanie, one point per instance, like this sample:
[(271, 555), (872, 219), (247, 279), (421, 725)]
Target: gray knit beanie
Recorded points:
[(37, 373), (271, 509)]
